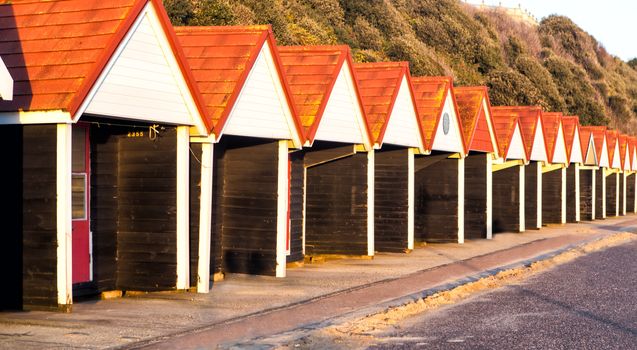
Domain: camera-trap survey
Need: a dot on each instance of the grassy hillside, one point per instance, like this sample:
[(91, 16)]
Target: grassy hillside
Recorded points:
[(556, 65)]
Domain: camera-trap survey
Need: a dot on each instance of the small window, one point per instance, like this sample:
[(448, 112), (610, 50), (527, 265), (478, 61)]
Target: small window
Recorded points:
[(78, 199)]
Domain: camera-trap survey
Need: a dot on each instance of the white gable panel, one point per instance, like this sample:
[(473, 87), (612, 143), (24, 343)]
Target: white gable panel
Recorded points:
[(6, 83), (626, 161), (342, 119), (591, 156), (634, 165), (262, 109), (144, 81), (603, 158), (402, 128), (576, 149), (452, 140), (516, 148), (616, 157), (487, 114), (538, 152), (559, 152)]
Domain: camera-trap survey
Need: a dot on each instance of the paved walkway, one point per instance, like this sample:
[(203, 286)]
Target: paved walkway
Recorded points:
[(236, 308)]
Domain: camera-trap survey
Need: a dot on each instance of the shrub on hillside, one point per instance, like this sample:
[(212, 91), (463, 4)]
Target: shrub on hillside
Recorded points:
[(510, 88), (551, 99), (422, 62)]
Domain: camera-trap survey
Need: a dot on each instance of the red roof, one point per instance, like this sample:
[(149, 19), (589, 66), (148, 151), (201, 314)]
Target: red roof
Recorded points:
[(551, 122), (471, 109), (221, 59), (379, 84), (623, 146), (611, 140), (528, 119), (632, 147), (56, 50), (504, 124), (311, 72), (430, 94), (599, 133), (570, 124)]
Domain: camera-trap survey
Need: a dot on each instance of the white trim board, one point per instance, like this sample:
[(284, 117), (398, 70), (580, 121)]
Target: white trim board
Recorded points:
[(64, 221), (411, 202), (370, 202), (522, 189), (205, 218), (183, 204), (461, 182), (283, 186)]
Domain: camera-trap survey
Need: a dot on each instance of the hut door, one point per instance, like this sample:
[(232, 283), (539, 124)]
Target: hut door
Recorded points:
[(80, 185)]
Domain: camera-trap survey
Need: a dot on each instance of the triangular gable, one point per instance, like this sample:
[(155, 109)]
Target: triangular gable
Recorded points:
[(554, 136), (572, 137), (576, 148), (143, 80), (603, 158), (623, 154), (6, 83), (591, 156), (633, 152), (325, 93), (626, 162), (516, 146), (538, 150), (448, 136), (613, 149), (388, 102), (588, 143), (510, 141), (475, 113), (559, 153), (617, 163)]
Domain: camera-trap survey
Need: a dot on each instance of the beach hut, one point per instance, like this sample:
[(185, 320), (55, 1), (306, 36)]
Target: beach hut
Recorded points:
[(588, 171), (601, 152), (554, 172), (96, 146), (440, 177), (474, 109), (612, 173), (530, 119), (238, 72), (575, 158), (333, 176), (386, 93), (6, 83), (509, 174), (624, 156)]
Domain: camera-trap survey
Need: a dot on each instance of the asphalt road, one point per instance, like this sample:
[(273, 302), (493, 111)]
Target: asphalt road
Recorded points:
[(590, 303)]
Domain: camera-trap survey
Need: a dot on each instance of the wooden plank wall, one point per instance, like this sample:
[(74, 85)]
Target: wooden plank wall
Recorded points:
[(630, 193), (28, 252), (475, 215), (194, 203), (436, 201), (530, 195), (147, 212), (586, 193), (552, 197), (506, 200), (599, 205), (620, 187), (336, 207), (246, 201), (297, 192), (571, 193), (611, 188), (391, 199)]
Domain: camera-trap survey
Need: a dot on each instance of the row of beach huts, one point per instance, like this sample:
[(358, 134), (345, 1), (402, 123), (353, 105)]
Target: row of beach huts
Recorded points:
[(144, 157)]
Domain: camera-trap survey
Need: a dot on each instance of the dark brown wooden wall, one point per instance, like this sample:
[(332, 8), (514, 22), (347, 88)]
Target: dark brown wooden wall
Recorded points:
[(475, 205), (571, 193), (28, 252), (599, 195), (630, 193), (391, 204), (246, 201), (611, 188), (506, 200), (620, 187), (552, 197), (336, 205), (297, 192), (530, 196), (586, 193), (436, 202), (195, 204)]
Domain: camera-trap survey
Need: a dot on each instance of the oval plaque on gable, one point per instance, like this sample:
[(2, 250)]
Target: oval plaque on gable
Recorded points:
[(445, 123)]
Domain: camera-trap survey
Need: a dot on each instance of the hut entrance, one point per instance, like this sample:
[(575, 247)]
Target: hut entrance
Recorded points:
[(80, 183)]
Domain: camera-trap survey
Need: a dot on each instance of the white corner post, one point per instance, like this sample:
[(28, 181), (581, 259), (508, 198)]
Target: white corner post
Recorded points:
[(283, 188), (593, 194), (539, 194), (370, 203), (577, 193), (461, 200), (635, 194), (563, 219), (304, 206), (521, 189), (624, 178), (64, 227), (205, 218), (183, 229), (603, 193), (489, 180), (411, 183)]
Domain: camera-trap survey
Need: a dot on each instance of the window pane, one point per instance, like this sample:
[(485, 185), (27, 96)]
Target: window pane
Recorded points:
[(79, 149), (78, 188)]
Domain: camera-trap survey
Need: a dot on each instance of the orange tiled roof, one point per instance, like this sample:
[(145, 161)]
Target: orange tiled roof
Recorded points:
[(311, 72), (473, 116), (570, 124), (430, 94), (623, 145), (632, 148), (504, 124), (378, 84), (528, 119), (221, 59), (611, 140), (551, 122), (599, 133), (56, 50)]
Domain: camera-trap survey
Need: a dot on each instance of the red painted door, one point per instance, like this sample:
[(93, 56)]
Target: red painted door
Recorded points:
[(80, 184)]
